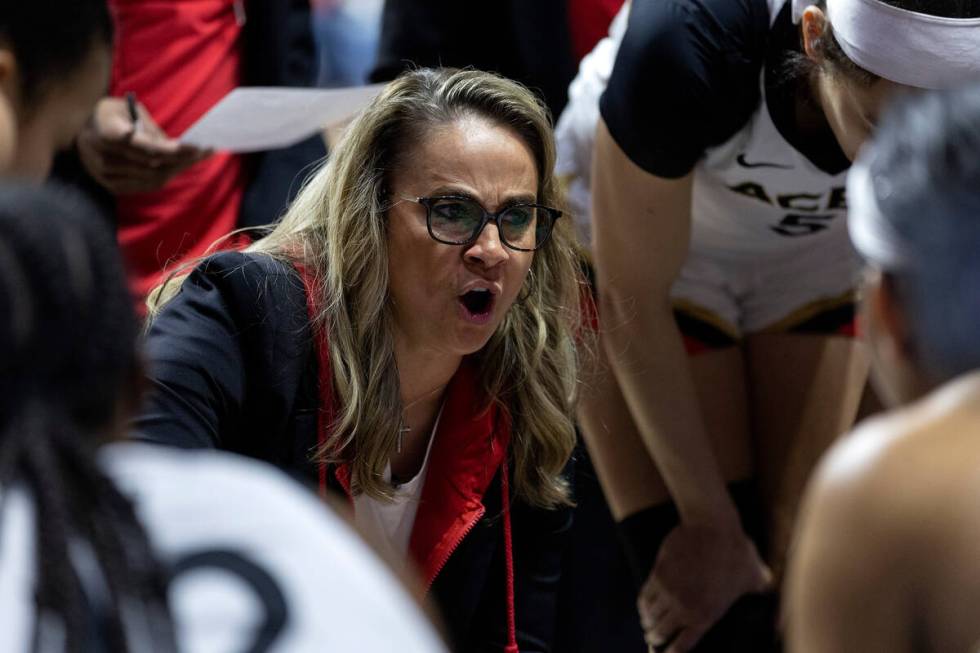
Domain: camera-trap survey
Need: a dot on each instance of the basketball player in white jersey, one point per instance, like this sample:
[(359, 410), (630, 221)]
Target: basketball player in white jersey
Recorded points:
[(726, 280)]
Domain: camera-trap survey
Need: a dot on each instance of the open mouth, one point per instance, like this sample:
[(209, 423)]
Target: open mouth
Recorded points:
[(478, 303)]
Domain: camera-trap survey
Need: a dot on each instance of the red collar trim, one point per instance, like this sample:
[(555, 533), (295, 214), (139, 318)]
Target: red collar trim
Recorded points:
[(326, 412), (470, 446), (471, 442)]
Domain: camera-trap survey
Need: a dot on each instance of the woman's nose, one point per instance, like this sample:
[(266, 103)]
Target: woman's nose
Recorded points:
[(487, 249)]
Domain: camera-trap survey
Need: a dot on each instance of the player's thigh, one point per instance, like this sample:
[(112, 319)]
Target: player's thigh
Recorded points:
[(804, 393), (707, 314), (626, 469), (721, 383)]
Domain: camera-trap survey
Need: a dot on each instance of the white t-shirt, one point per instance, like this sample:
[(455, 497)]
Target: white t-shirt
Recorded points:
[(389, 524), (229, 513)]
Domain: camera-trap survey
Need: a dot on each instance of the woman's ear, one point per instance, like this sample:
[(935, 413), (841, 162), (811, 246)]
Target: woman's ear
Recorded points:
[(813, 26)]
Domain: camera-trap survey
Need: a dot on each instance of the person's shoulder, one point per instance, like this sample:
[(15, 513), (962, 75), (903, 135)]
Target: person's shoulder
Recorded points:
[(854, 534), (686, 78), (249, 268), (908, 467), (199, 500), (932, 454), (247, 287), (246, 518), (856, 476), (727, 25), (196, 479), (892, 510)]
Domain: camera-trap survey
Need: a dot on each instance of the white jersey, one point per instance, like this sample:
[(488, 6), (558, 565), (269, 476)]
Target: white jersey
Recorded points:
[(764, 218), (224, 521), (754, 194), (757, 194), (575, 131)]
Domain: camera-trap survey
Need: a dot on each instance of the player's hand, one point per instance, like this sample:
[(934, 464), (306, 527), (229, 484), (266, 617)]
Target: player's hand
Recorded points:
[(128, 157), (700, 571)]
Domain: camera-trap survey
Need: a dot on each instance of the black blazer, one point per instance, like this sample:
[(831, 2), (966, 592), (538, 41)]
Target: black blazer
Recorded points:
[(232, 366)]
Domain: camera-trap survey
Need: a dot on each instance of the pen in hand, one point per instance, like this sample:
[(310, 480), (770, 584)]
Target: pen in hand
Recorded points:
[(134, 115), (125, 151)]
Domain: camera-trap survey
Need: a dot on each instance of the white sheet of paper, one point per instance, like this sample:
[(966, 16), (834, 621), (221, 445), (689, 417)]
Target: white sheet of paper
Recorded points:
[(256, 118)]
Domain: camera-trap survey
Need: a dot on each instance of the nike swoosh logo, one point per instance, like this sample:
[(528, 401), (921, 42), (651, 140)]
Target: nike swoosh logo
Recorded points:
[(740, 159)]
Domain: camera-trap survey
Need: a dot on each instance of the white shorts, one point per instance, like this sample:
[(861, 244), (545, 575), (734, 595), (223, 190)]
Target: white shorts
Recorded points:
[(770, 293)]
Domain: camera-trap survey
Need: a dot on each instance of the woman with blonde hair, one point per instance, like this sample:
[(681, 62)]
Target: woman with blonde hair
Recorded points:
[(406, 336)]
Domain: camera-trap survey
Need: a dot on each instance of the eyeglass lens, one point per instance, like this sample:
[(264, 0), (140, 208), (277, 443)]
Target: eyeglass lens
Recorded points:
[(456, 220)]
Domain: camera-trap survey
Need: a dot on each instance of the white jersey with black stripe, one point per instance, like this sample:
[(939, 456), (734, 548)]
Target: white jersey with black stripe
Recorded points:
[(757, 194), (259, 560), (754, 194)]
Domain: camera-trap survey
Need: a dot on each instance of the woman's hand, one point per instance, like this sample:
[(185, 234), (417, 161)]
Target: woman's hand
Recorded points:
[(700, 571), (128, 157)]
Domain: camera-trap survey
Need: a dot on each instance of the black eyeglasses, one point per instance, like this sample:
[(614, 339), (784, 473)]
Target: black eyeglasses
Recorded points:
[(460, 221)]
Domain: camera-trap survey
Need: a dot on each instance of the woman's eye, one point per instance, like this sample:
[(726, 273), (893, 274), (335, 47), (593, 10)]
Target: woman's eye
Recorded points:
[(520, 216), (455, 210)]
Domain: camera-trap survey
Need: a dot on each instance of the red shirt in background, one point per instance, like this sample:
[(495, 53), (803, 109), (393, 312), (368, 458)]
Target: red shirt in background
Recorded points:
[(589, 22), (179, 57)]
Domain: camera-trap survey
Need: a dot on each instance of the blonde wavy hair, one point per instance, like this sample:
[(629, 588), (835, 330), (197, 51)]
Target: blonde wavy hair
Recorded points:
[(337, 229)]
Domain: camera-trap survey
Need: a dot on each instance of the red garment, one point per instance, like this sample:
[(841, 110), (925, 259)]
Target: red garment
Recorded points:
[(589, 22), (179, 57), (470, 447)]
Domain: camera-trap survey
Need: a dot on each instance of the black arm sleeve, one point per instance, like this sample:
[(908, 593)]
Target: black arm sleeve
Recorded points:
[(686, 78), (226, 358)]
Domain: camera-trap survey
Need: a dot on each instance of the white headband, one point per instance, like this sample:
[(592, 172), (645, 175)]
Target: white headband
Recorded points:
[(904, 46), (872, 235)]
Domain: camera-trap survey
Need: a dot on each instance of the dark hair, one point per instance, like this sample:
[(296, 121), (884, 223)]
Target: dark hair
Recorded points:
[(67, 350), (926, 177), (837, 62), (51, 39)]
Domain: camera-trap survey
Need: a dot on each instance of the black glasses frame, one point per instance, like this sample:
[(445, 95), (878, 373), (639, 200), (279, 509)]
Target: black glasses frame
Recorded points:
[(427, 202)]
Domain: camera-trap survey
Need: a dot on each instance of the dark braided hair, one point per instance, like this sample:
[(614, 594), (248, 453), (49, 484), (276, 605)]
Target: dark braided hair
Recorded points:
[(68, 363), (51, 39)]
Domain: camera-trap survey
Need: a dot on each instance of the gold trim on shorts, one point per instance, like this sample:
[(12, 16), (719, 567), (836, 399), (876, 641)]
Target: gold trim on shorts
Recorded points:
[(704, 315), (811, 310)]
